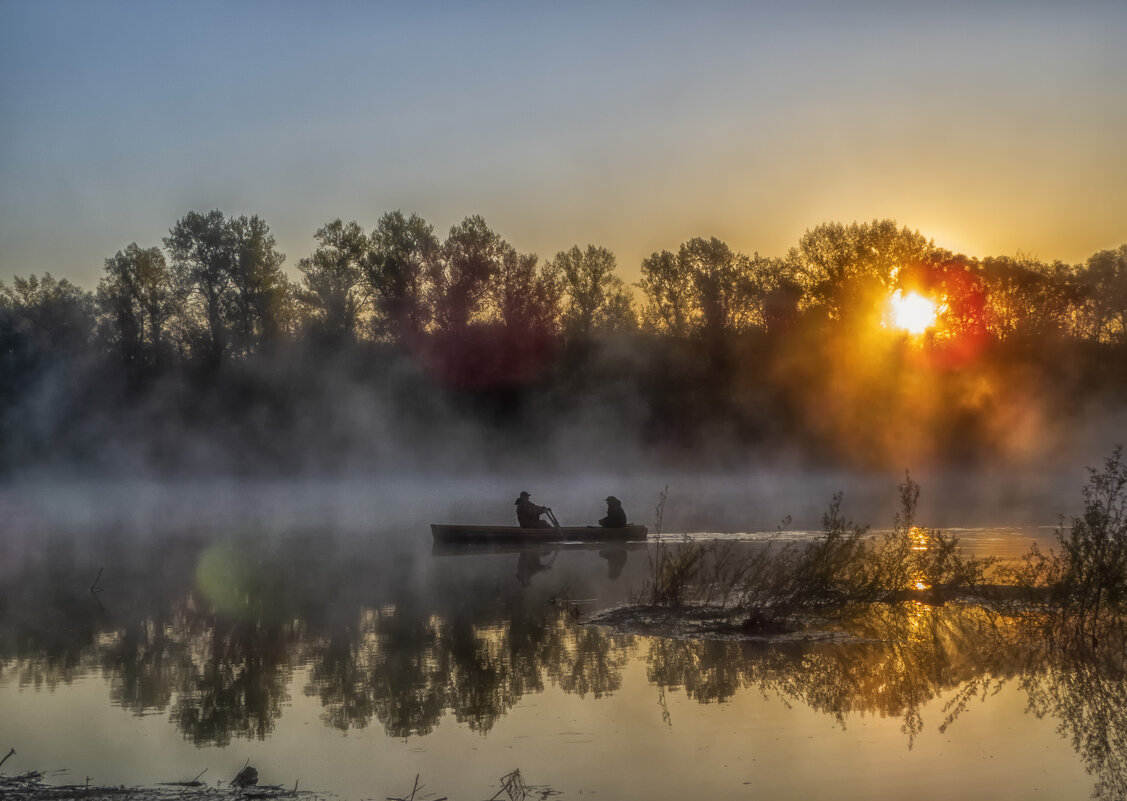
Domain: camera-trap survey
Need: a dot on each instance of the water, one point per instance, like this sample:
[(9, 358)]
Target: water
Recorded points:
[(352, 657)]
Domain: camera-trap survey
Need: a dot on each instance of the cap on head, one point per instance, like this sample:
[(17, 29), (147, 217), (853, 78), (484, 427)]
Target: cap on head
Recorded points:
[(612, 499), (524, 495)]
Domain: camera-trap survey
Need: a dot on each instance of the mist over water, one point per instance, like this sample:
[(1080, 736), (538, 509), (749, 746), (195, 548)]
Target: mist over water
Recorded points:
[(705, 501)]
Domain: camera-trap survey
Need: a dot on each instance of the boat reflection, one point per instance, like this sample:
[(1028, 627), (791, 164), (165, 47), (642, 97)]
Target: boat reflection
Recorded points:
[(536, 558)]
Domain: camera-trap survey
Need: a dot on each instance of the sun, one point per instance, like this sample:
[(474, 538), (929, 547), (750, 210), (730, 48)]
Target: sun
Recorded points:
[(913, 312)]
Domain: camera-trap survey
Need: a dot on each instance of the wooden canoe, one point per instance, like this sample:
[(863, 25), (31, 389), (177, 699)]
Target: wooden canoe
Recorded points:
[(455, 533), (493, 547)]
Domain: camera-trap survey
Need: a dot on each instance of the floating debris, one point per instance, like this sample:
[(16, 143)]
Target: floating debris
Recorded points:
[(32, 787)]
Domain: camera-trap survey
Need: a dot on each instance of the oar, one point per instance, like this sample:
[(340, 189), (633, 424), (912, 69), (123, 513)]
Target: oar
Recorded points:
[(552, 517)]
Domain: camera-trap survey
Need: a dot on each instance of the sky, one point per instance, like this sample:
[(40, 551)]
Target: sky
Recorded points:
[(995, 128)]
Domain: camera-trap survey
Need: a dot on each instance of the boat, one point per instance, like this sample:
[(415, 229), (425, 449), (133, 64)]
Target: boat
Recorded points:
[(460, 533), (543, 547)]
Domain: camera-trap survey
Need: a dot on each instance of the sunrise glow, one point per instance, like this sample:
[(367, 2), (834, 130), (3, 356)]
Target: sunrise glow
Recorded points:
[(913, 312)]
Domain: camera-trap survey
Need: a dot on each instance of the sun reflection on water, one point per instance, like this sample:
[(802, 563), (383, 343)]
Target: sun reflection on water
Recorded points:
[(920, 542)]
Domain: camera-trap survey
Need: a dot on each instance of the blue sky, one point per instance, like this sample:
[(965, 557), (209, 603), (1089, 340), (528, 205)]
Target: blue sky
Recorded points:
[(992, 127)]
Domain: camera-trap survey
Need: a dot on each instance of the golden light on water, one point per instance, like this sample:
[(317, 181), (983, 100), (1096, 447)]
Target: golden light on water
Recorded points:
[(913, 312), (919, 543)]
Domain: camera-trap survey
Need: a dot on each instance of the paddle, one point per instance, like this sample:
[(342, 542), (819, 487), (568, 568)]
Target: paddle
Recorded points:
[(552, 517)]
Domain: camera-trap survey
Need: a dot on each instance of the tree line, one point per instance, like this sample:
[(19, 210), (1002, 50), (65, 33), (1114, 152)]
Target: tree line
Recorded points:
[(218, 290), (712, 333)]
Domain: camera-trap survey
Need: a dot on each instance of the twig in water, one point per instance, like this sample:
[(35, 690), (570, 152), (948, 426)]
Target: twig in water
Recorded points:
[(5, 759), (410, 797), (94, 588), (562, 592), (414, 790), (190, 783), (194, 782), (240, 773), (513, 784)]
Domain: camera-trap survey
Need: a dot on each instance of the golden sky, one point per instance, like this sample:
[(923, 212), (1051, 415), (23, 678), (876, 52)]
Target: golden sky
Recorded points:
[(994, 128)]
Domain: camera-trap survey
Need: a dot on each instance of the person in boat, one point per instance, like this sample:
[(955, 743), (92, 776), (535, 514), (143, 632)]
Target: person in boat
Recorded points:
[(528, 513), (616, 515)]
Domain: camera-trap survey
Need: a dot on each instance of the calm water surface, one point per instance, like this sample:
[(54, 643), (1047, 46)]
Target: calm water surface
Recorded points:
[(353, 663)]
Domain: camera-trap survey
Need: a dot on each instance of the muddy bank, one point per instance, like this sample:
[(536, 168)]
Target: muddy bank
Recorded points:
[(714, 622)]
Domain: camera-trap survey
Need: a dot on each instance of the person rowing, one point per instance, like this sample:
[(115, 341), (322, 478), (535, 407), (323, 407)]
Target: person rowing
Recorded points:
[(528, 513)]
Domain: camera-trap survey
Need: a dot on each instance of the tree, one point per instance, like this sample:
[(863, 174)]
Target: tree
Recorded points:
[(706, 289), (846, 271), (668, 290), (228, 280), (200, 246), (136, 302), (333, 285), (1105, 283), (44, 323), (461, 280), (958, 280), (260, 287), (53, 316), (594, 297), (722, 281), (401, 251), (524, 300), (1028, 298)]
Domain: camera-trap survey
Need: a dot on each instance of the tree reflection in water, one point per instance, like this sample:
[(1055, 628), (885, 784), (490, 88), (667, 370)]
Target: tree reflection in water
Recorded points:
[(236, 683), (898, 658), (1084, 687), (397, 653), (908, 654), (407, 670)]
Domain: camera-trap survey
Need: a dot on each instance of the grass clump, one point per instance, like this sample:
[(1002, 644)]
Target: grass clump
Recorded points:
[(845, 565), (1082, 581)]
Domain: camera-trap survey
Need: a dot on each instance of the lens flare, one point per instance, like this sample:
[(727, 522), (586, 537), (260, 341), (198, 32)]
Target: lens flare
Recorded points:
[(913, 312)]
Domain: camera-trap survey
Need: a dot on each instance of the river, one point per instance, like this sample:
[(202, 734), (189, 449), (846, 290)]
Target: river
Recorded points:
[(176, 637)]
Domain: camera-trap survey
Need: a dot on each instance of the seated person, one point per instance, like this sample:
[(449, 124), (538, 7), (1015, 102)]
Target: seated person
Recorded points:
[(616, 515), (528, 513)]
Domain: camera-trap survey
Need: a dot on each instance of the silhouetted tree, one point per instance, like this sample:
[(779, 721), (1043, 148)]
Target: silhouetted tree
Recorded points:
[(594, 297), (846, 271), (53, 316), (668, 290), (721, 279), (136, 302), (1030, 299), (228, 277), (1105, 283), (523, 299), (201, 250), (709, 290), (461, 281), (260, 287), (333, 285), (402, 249), (959, 282)]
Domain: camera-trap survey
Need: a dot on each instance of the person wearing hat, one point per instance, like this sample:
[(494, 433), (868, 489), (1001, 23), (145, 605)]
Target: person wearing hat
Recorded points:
[(616, 515), (528, 513)]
